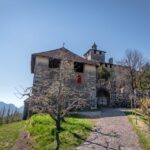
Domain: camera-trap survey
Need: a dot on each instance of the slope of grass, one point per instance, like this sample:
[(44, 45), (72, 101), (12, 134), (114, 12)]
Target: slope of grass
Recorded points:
[(144, 136), (42, 130), (8, 134)]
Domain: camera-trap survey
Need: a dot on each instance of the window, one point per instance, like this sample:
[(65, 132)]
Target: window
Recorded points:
[(54, 63), (78, 67)]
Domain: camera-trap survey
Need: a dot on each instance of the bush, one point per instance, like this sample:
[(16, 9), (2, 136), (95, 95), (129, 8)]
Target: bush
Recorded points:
[(145, 106), (103, 73)]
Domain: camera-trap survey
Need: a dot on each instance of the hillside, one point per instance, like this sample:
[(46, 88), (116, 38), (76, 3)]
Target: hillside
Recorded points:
[(41, 129), (7, 140)]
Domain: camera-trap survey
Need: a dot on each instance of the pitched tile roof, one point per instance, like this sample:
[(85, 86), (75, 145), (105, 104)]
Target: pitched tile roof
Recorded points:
[(61, 53)]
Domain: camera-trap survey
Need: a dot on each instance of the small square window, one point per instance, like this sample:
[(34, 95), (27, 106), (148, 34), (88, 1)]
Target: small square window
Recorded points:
[(54, 63), (78, 67)]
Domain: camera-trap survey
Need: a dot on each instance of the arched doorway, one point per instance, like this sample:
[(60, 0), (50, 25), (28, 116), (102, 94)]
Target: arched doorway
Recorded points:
[(103, 97)]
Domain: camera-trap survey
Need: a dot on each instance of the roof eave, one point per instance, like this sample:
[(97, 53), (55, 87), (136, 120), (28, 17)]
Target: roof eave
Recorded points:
[(91, 50)]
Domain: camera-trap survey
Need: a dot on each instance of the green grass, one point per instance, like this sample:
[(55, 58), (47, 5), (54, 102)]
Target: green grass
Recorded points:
[(42, 130), (8, 134), (143, 136)]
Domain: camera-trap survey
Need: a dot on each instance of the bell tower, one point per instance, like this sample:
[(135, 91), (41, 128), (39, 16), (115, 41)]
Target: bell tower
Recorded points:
[(95, 55)]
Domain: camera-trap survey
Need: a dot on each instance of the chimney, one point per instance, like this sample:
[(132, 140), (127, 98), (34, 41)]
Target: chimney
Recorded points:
[(111, 60)]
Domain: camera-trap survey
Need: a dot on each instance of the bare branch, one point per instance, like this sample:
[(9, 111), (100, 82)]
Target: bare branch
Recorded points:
[(25, 93)]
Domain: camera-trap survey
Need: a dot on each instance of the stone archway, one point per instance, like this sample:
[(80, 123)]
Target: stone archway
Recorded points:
[(103, 97)]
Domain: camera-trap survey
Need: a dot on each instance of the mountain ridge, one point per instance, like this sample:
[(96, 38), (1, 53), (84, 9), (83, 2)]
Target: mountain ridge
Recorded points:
[(11, 106)]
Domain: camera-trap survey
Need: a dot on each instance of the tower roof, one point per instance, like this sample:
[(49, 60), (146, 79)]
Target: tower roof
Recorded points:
[(94, 46)]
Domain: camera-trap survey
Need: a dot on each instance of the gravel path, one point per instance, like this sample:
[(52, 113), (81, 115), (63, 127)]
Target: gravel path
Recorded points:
[(112, 132)]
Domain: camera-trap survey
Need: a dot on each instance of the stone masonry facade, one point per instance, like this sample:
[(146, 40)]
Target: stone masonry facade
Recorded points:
[(46, 77), (80, 77)]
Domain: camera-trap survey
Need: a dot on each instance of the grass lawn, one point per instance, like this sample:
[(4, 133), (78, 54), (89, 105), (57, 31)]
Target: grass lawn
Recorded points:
[(8, 134), (42, 130), (141, 129)]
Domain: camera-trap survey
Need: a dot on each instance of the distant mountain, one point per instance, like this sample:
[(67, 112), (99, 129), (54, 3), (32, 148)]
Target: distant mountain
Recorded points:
[(20, 109), (11, 106)]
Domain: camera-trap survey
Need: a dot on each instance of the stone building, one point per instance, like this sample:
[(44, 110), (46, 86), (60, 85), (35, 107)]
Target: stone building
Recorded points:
[(81, 75)]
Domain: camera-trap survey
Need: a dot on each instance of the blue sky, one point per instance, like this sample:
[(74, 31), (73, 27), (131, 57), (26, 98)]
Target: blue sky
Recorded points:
[(28, 26)]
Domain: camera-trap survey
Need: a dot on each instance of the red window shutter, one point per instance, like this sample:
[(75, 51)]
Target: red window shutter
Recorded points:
[(79, 79)]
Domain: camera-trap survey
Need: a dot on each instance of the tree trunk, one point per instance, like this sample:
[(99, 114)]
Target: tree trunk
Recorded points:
[(57, 133)]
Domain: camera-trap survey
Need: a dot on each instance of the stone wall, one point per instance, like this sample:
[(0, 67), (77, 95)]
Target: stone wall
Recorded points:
[(98, 57), (46, 78), (118, 86), (90, 76), (121, 86)]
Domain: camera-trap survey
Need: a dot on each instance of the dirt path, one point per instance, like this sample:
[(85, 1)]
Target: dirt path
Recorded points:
[(23, 142), (112, 132)]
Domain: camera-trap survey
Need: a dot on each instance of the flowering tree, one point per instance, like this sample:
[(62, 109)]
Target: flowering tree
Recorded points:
[(57, 103)]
